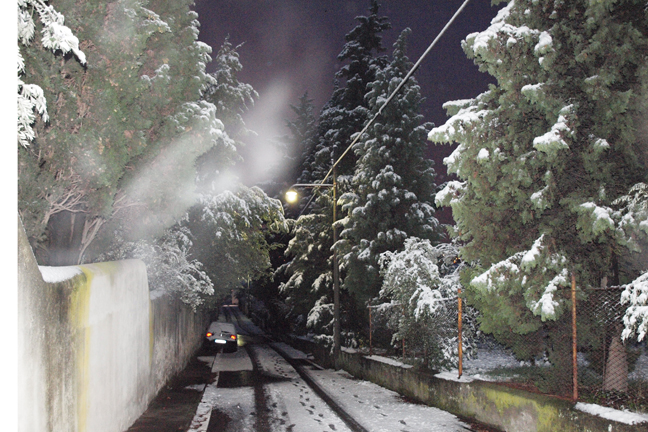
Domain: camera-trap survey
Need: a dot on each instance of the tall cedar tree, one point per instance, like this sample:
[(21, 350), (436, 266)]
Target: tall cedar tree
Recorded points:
[(543, 155), (393, 184), (118, 153), (230, 222), (232, 99), (343, 115)]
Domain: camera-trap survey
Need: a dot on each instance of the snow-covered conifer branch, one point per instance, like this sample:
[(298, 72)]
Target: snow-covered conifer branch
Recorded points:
[(56, 36)]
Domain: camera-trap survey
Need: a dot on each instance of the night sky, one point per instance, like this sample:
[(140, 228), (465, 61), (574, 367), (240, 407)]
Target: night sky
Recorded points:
[(291, 46)]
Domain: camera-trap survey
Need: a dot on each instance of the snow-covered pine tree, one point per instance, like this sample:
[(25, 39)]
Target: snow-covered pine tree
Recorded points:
[(232, 99), (309, 273), (544, 153), (119, 150), (393, 185), (345, 113), (55, 37)]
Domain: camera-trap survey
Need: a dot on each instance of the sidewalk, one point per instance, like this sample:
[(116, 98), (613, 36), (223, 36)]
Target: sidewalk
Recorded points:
[(175, 406)]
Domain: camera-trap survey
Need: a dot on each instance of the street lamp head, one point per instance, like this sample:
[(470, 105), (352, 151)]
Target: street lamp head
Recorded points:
[(292, 196)]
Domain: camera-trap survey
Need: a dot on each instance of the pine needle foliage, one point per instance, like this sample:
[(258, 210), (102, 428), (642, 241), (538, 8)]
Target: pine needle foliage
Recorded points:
[(544, 153)]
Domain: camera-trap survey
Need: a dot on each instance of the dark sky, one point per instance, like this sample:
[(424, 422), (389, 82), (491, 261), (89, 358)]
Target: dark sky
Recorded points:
[(291, 46)]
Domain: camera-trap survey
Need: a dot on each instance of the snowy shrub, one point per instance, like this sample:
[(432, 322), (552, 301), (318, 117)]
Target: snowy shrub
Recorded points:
[(320, 321), (421, 285), (230, 229), (169, 266)]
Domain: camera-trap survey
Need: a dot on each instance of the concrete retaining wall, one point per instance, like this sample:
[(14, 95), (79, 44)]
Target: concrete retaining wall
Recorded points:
[(94, 348), (502, 407)]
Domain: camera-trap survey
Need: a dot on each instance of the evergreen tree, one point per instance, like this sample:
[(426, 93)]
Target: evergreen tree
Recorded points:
[(56, 37), (118, 153), (543, 155), (232, 99), (345, 113), (393, 184), (309, 273), (310, 270), (229, 232)]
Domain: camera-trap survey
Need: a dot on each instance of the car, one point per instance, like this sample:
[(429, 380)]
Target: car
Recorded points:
[(222, 333)]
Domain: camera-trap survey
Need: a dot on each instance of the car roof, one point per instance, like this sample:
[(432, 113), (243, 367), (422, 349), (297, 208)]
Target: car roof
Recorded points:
[(222, 326)]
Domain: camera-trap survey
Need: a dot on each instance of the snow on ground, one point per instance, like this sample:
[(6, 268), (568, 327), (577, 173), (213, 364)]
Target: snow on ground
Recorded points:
[(295, 406), (59, 274), (232, 362), (382, 410), (235, 403), (626, 417)]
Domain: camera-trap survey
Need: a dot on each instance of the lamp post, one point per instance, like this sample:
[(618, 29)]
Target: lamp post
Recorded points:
[(291, 196)]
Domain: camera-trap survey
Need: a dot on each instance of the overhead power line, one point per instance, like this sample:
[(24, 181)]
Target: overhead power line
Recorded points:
[(389, 99)]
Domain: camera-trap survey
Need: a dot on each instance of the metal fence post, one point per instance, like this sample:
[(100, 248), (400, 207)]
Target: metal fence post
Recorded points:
[(370, 331), (574, 340), (460, 338), (403, 336)]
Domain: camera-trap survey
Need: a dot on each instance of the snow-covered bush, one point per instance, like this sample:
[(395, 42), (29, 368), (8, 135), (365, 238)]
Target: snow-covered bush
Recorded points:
[(632, 228), (57, 37), (169, 266), (230, 229), (421, 286)]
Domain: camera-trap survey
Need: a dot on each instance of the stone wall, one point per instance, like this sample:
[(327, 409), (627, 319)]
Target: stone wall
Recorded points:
[(94, 347), (502, 407)]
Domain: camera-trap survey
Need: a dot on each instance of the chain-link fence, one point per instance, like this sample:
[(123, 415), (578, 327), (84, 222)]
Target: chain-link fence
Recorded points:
[(610, 372), (579, 357)]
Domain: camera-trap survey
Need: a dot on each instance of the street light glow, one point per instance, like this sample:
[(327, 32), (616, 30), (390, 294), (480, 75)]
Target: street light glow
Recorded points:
[(291, 196)]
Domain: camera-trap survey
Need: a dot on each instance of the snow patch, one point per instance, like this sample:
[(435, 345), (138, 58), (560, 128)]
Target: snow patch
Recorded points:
[(544, 45), (626, 417), (553, 140), (388, 361), (454, 376), (483, 154), (59, 274)]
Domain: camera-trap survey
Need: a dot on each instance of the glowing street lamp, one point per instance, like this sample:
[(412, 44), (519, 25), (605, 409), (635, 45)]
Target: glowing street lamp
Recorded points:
[(291, 197)]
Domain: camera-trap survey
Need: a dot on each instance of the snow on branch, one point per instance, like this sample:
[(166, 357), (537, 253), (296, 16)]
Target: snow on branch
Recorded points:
[(538, 273), (635, 319), (554, 140), (56, 37)]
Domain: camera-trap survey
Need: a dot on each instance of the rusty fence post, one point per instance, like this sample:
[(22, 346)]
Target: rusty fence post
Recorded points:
[(460, 337), (370, 331), (574, 340), (403, 336)]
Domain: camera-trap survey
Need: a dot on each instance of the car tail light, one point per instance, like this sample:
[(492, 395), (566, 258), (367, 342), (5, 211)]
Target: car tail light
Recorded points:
[(209, 334), (233, 337)]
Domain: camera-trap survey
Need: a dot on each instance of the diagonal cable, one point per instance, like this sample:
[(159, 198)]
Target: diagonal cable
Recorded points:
[(409, 74)]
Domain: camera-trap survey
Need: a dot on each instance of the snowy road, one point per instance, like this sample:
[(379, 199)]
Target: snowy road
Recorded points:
[(258, 390)]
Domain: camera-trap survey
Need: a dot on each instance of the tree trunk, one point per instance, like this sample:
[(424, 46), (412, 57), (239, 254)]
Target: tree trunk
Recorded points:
[(616, 367)]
